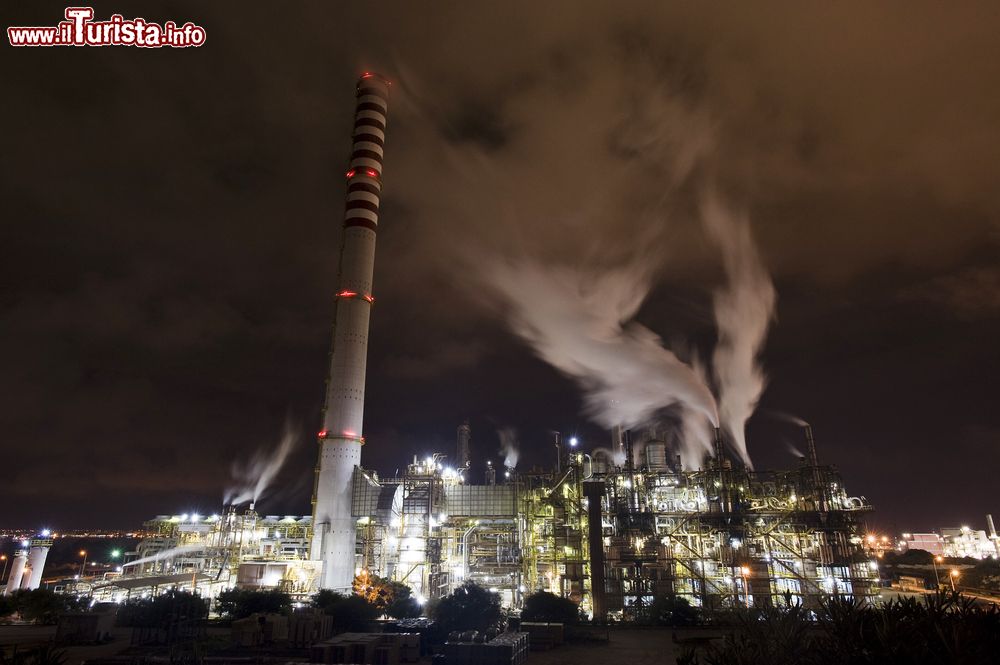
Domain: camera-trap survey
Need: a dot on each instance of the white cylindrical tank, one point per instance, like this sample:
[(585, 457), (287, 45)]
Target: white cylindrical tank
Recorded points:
[(656, 456), (36, 560), (16, 572)]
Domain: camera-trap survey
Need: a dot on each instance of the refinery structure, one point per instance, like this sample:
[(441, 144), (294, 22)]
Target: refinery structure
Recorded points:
[(610, 528)]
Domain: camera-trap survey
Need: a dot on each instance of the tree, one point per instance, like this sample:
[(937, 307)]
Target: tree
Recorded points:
[(43, 606), (389, 597), (240, 603), (469, 607), (162, 610), (350, 613), (545, 606)]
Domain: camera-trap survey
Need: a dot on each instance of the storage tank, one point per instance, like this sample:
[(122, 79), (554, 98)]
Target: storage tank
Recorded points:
[(656, 456)]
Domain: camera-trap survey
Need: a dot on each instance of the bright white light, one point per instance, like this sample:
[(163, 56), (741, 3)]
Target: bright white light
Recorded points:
[(46, 533), (442, 517), (573, 441), (393, 540), (420, 599), (506, 474), (184, 517), (736, 542), (493, 589), (195, 517)]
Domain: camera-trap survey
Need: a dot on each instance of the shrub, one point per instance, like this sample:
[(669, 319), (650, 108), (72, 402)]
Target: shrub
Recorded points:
[(545, 606), (469, 607), (162, 610), (240, 603), (944, 628), (350, 613), (42, 606)]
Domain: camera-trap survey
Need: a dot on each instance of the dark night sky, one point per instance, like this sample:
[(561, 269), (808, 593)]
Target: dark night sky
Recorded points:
[(171, 218)]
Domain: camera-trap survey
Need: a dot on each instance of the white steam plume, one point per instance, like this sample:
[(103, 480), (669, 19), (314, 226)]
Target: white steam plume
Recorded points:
[(744, 308), (509, 446), (787, 417), (253, 477), (580, 322), (165, 554)]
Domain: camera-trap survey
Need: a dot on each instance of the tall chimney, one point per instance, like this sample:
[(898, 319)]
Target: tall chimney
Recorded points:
[(462, 455), (717, 448), (340, 439)]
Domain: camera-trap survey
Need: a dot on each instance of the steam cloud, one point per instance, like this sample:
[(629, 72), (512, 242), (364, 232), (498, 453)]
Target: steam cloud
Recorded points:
[(580, 322), (254, 477), (165, 554), (744, 308), (509, 446)]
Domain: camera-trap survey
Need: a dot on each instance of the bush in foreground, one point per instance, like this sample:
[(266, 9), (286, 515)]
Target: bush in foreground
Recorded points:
[(545, 606), (469, 607), (163, 610), (944, 628), (240, 603), (350, 613)]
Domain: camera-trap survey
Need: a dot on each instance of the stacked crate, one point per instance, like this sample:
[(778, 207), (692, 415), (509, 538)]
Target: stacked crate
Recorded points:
[(368, 649), (543, 636), (309, 627), (505, 649)]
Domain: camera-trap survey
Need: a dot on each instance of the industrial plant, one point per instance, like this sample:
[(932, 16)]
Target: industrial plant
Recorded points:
[(609, 527)]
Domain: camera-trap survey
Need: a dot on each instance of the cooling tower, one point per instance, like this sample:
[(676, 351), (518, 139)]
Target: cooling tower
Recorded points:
[(340, 440)]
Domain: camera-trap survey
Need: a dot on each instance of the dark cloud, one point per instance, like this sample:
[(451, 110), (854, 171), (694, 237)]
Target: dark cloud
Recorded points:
[(170, 231)]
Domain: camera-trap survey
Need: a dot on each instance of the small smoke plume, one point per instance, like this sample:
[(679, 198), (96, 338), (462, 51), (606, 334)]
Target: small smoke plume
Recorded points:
[(793, 449), (743, 308), (509, 446), (255, 476), (580, 322), (787, 417)]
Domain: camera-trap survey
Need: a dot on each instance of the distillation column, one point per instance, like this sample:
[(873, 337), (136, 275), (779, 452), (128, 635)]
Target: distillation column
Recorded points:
[(340, 439)]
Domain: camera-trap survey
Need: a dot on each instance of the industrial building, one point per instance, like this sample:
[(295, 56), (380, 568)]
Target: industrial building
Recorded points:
[(610, 530)]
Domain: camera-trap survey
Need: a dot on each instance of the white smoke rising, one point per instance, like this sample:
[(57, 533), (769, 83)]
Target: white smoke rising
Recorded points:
[(165, 554), (509, 446), (580, 322), (787, 417), (743, 308), (255, 476)]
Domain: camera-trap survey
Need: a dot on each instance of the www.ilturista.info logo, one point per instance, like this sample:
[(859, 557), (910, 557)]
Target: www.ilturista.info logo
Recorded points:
[(79, 29)]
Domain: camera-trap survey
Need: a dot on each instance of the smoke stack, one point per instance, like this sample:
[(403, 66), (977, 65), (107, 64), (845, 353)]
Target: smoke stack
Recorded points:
[(462, 456), (811, 446), (340, 439), (558, 443), (618, 444), (718, 448)]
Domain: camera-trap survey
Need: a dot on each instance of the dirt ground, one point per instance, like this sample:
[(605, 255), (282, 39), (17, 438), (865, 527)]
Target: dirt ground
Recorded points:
[(626, 646), (28, 636)]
